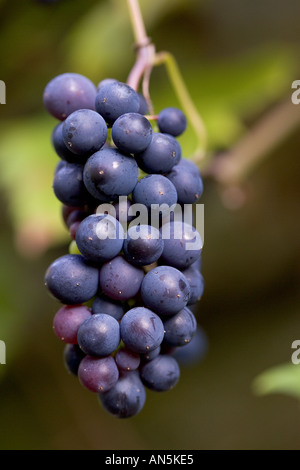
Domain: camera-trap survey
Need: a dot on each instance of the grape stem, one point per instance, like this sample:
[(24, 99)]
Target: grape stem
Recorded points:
[(146, 59)]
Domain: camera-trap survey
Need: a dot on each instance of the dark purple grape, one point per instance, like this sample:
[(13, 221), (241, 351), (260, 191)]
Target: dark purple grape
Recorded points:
[(67, 93), (131, 133), (126, 398), (161, 374), (100, 237), (143, 245), (127, 360), (109, 174), (195, 351), (172, 121), (160, 156), (187, 181), (182, 244), (103, 304), (72, 280), (98, 374), (60, 146), (68, 185), (153, 191), (72, 356), (114, 99), (99, 335), (119, 280), (180, 328), (105, 81), (141, 330), (67, 321), (84, 132), (196, 282), (165, 290)]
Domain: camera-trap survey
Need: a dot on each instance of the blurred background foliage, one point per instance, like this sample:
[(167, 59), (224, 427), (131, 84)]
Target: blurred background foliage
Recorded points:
[(238, 60)]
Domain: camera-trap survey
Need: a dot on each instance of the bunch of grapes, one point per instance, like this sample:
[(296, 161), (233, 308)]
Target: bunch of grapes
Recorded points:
[(128, 285)]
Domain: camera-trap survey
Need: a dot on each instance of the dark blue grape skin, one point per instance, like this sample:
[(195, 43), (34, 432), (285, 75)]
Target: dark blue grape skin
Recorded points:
[(67, 93), (71, 280), (105, 81), (144, 108), (141, 330), (154, 189), (177, 237), (196, 282), (60, 146), (160, 156), (151, 354), (180, 328), (72, 356), (187, 181), (98, 374), (103, 304), (172, 121), (84, 132), (109, 174), (120, 280), (127, 360), (195, 351), (161, 374), (143, 245), (121, 210), (68, 185), (126, 398), (114, 99), (99, 335), (67, 321), (165, 290), (100, 237), (131, 133)]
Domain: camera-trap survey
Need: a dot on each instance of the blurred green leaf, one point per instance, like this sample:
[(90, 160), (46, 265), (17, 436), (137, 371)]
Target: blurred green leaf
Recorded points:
[(283, 379), (27, 163)]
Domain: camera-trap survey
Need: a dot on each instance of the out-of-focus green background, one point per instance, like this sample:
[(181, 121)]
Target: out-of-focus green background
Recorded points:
[(239, 59)]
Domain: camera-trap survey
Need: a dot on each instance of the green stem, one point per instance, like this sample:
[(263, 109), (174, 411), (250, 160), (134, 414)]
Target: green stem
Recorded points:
[(186, 102)]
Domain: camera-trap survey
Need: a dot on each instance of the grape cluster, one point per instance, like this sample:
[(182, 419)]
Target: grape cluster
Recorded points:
[(132, 274)]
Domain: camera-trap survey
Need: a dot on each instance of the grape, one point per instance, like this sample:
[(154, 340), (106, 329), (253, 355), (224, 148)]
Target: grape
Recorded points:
[(155, 190), (144, 108), (67, 321), (162, 153), (99, 335), (180, 328), (72, 357), (106, 81), (72, 280), (143, 245), (60, 146), (141, 330), (109, 174), (161, 374), (114, 99), (196, 282), (84, 132), (100, 237), (119, 280), (126, 398), (98, 374), (148, 356), (127, 360), (68, 185), (187, 181), (165, 290), (182, 244), (131, 133), (122, 208), (67, 93), (172, 121), (103, 304)]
